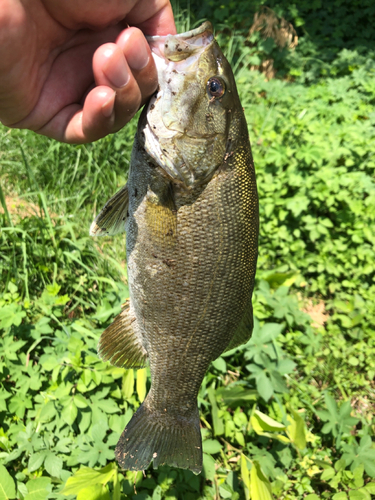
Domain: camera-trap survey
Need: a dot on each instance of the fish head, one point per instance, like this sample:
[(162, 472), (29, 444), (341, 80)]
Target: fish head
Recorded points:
[(185, 125)]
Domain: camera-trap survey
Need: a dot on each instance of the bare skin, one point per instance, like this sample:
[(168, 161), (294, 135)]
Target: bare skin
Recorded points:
[(74, 70)]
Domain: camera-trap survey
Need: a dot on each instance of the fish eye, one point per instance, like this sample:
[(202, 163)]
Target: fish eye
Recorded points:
[(216, 87)]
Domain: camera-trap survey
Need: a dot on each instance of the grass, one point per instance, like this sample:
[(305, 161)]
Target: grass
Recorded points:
[(296, 402)]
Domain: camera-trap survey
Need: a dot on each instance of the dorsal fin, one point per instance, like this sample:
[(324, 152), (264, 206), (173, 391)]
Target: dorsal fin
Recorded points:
[(111, 219)]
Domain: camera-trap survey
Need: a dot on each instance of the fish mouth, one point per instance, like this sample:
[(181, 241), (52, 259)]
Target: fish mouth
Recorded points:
[(182, 46), (167, 114), (177, 60)]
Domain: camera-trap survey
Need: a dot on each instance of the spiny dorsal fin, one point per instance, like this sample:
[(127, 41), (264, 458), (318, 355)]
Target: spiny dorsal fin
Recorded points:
[(112, 217), (119, 343)]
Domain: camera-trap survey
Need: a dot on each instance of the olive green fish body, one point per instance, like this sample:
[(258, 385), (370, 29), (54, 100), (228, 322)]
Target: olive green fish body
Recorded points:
[(191, 255)]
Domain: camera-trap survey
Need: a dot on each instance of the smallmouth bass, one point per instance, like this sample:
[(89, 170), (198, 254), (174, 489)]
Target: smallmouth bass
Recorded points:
[(190, 212)]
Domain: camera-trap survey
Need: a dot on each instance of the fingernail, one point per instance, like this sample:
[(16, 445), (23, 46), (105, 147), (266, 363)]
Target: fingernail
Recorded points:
[(138, 59), (107, 107), (116, 70)]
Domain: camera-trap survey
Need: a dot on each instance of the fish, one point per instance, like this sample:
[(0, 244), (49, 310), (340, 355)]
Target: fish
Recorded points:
[(191, 218)]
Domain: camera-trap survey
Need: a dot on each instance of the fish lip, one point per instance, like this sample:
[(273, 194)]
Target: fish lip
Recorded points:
[(183, 45), (206, 26)]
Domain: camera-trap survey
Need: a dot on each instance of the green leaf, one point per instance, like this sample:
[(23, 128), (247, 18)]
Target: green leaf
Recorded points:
[(98, 431), (357, 495), (338, 421), (297, 430), (245, 474), (370, 487), (262, 422), (331, 404), (353, 360), (369, 464), (328, 474), (116, 494), (3, 396), (340, 496), (340, 465), (69, 413), (36, 460), (260, 487), (157, 493), (312, 496), (108, 406), (86, 476), (53, 465), (85, 421), (366, 493), (225, 491), (264, 386), (270, 331), (220, 365), (362, 453), (358, 475), (216, 420), (49, 362), (234, 394), (104, 312), (19, 404), (128, 384), (11, 314), (38, 488), (52, 290), (141, 384), (212, 446), (276, 279), (80, 401), (7, 486), (209, 467), (22, 488), (47, 412), (94, 492)]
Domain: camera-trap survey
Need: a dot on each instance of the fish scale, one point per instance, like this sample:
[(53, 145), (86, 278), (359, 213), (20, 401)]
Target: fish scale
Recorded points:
[(191, 246)]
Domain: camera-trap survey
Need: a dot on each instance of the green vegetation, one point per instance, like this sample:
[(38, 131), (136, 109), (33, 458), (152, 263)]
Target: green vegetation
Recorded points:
[(290, 415)]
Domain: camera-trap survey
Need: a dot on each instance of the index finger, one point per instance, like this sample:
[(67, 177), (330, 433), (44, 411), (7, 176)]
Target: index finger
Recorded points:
[(153, 17)]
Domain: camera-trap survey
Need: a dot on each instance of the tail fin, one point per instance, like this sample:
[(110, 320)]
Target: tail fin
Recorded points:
[(161, 437)]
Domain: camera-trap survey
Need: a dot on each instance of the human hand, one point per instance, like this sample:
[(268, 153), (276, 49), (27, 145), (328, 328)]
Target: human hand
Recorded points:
[(73, 70)]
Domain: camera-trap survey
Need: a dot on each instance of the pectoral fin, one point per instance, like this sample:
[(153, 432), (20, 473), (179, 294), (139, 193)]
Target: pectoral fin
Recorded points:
[(121, 344), (111, 220), (161, 217)]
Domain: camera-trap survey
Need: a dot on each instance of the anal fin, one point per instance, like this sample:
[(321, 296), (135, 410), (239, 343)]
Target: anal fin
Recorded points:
[(120, 344)]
